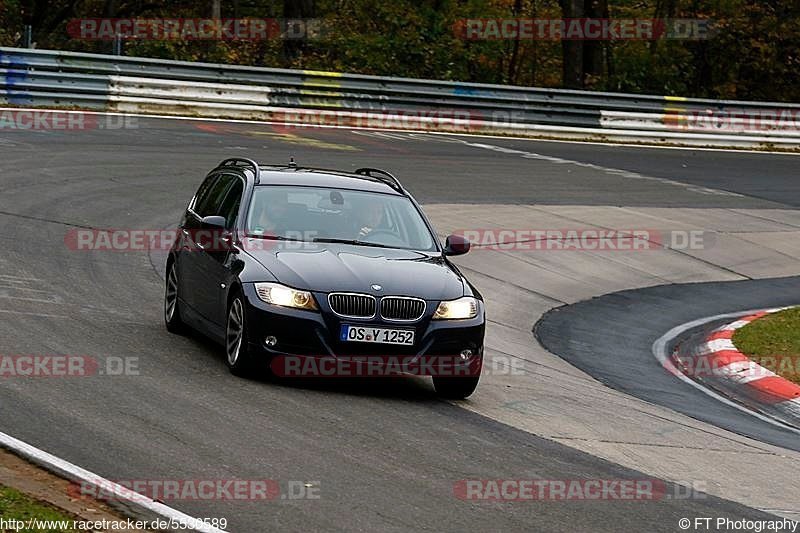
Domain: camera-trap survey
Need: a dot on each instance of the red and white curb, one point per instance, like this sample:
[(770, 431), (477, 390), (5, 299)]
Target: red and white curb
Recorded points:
[(718, 364)]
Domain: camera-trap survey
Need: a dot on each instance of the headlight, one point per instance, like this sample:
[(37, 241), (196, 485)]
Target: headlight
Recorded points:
[(277, 294), (466, 307)]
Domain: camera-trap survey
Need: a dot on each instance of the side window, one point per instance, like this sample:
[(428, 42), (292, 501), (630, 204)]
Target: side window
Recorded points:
[(212, 201), (230, 206), (202, 193)]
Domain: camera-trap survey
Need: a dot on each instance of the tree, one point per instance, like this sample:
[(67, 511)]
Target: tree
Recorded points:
[(296, 9), (572, 62), (594, 51)]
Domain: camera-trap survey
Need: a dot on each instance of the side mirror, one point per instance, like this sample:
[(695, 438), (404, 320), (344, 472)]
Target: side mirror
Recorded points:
[(456, 245), (214, 235), (214, 222)]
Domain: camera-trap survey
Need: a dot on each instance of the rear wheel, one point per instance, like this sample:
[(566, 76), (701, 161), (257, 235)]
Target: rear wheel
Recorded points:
[(172, 311), (238, 356)]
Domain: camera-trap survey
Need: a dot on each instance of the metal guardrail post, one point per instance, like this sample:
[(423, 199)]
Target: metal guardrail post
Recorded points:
[(117, 47), (27, 36)]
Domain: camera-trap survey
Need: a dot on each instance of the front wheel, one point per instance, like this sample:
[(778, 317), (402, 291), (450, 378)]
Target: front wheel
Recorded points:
[(172, 310), (238, 356), (455, 388)]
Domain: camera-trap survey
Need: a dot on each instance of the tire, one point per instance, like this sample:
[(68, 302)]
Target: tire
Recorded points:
[(172, 308), (455, 388), (237, 349)]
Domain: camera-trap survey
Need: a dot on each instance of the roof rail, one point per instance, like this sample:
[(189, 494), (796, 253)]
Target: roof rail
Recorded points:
[(383, 176), (243, 162), (376, 173)]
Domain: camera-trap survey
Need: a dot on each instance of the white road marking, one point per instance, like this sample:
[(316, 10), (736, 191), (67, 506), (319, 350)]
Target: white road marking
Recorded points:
[(17, 279), (382, 134), (22, 288), (52, 300), (606, 170), (46, 315)]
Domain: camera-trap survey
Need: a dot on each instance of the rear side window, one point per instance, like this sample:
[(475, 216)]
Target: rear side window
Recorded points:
[(209, 202), (202, 195), (233, 199)]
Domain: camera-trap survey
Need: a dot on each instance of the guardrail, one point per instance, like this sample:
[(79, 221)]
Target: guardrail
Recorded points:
[(44, 78)]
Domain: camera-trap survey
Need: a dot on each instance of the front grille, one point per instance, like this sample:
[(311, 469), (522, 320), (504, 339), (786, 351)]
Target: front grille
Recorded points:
[(400, 308), (352, 305)]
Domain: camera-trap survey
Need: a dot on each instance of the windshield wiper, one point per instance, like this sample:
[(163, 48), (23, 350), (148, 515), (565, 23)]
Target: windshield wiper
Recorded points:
[(351, 241), (273, 237)]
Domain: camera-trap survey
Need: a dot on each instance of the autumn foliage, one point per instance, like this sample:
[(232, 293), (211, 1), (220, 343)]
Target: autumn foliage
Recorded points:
[(753, 51)]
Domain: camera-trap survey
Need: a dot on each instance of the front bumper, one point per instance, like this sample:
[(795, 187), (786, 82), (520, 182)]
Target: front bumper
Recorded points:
[(316, 334)]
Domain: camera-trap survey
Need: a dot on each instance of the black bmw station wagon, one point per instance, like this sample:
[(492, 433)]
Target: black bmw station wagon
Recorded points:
[(284, 261)]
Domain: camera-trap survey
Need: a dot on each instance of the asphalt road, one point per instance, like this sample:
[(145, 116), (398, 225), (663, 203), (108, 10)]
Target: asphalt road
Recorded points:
[(386, 455), (610, 338), (739, 172)]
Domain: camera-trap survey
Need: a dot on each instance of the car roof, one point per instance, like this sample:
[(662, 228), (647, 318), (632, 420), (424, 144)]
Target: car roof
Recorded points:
[(310, 177)]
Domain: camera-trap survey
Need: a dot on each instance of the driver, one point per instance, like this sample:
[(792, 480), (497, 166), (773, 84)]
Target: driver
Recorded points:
[(273, 210), (368, 219)]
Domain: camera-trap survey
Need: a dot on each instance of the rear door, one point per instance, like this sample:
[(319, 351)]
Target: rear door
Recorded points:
[(186, 260), (214, 262)]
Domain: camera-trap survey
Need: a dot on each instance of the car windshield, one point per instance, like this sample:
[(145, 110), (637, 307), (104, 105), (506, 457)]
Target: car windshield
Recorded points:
[(337, 215)]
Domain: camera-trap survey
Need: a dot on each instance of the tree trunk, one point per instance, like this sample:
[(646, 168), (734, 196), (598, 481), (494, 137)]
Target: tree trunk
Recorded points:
[(593, 50), (513, 66), (296, 9), (110, 8), (572, 51)]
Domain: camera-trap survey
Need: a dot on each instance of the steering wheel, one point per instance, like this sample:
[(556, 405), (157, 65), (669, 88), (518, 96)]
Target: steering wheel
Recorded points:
[(393, 238)]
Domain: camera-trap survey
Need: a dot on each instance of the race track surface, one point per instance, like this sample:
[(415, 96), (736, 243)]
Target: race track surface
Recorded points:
[(386, 455), (610, 338)]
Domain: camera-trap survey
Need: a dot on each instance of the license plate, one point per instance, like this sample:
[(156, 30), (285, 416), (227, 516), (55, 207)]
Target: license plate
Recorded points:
[(376, 335)]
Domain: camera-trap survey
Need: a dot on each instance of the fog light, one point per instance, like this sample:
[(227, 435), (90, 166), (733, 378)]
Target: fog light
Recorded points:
[(271, 341), (466, 354)]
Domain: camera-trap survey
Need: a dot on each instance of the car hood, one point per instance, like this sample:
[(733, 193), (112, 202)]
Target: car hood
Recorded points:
[(345, 268)]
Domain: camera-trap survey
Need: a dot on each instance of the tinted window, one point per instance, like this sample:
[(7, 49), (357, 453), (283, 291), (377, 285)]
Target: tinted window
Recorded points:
[(233, 199), (211, 202), (202, 193)]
